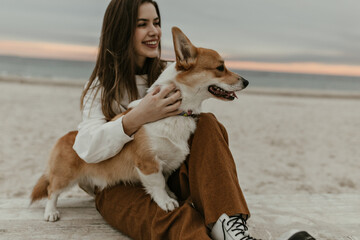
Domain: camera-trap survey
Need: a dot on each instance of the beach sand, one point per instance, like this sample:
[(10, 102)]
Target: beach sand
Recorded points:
[(281, 144)]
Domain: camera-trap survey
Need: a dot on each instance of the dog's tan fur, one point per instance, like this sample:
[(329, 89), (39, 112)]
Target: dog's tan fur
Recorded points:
[(65, 166), (206, 59)]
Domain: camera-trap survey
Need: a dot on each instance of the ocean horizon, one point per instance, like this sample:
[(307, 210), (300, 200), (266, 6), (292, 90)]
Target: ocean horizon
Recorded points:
[(80, 71)]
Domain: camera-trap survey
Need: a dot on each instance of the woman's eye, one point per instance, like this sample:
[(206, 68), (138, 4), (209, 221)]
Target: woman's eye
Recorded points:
[(157, 23), (141, 25), (220, 68)]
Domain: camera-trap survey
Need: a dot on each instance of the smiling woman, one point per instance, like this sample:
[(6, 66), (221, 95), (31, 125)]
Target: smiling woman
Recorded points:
[(127, 63), (147, 34)]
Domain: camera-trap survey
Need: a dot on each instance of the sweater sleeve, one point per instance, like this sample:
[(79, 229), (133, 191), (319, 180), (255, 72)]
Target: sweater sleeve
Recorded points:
[(97, 139)]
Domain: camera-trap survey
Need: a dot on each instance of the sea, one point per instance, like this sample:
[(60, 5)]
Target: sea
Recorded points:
[(80, 71)]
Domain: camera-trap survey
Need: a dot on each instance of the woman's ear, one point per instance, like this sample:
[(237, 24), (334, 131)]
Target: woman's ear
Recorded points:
[(185, 51)]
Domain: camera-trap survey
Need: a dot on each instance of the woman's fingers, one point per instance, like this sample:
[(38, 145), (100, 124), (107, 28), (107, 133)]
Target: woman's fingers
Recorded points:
[(173, 108), (176, 112), (167, 95), (165, 90), (156, 90), (173, 98), (162, 102)]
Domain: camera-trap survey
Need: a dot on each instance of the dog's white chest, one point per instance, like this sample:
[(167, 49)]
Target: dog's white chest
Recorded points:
[(169, 140)]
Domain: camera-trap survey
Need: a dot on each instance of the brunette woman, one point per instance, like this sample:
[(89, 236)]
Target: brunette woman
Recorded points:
[(206, 184)]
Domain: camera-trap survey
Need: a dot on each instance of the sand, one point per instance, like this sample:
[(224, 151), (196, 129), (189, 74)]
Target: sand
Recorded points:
[(282, 144)]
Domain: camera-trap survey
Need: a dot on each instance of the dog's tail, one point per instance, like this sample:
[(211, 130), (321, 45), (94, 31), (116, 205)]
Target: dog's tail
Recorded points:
[(40, 190)]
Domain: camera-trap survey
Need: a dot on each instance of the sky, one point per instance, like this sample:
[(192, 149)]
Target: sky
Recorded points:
[(306, 36)]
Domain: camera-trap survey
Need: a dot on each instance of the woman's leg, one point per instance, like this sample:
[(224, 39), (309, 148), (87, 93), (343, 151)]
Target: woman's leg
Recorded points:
[(207, 180), (208, 177), (130, 210)]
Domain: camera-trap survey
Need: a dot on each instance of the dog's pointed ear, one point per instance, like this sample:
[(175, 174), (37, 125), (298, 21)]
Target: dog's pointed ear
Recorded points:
[(185, 51)]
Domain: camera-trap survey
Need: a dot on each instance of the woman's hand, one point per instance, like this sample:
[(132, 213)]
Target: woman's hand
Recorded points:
[(154, 106)]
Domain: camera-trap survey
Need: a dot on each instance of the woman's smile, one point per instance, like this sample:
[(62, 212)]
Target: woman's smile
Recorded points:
[(147, 34), (151, 43)]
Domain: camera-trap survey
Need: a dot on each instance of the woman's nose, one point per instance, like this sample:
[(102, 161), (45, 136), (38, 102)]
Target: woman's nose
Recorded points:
[(153, 30)]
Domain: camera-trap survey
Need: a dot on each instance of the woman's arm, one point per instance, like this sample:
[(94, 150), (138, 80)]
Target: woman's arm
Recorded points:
[(154, 106), (98, 140)]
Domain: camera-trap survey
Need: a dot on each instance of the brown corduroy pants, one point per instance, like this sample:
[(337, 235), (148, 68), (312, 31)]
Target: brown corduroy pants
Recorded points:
[(206, 185)]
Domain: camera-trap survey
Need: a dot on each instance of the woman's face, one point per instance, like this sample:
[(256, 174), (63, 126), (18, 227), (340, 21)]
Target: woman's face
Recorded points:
[(147, 34)]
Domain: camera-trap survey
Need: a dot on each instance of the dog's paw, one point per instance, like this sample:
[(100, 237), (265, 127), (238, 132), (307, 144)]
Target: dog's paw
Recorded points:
[(168, 205), (171, 194), (51, 216)]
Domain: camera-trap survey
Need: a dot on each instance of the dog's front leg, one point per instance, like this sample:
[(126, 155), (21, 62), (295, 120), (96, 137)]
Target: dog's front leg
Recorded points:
[(155, 185)]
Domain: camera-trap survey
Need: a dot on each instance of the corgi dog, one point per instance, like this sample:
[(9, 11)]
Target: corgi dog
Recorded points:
[(158, 148)]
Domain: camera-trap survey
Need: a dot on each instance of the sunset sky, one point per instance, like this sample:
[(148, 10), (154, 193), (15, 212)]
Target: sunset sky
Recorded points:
[(305, 36)]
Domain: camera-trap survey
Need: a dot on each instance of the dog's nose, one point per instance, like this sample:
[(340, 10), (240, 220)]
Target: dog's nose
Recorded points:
[(245, 82)]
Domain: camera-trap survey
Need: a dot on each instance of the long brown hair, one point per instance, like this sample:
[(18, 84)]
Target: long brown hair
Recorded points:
[(115, 66)]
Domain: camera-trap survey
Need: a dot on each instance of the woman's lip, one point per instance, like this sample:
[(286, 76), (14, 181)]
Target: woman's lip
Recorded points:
[(151, 43)]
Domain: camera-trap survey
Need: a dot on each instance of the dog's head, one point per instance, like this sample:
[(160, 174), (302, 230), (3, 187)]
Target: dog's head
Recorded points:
[(204, 70)]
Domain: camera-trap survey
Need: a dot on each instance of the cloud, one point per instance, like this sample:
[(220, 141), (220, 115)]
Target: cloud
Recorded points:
[(88, 53), (282, 32), (273, 31), (72, 22), (48, 50), (297, 67)]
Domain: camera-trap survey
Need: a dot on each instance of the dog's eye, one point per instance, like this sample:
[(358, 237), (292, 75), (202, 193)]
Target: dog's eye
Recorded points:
[(221, 68)]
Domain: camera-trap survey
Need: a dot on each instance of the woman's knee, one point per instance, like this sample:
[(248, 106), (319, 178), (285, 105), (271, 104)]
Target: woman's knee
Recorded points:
[(208, 123)]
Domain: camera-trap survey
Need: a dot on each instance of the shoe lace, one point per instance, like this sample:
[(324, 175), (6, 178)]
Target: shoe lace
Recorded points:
[(238, 225)]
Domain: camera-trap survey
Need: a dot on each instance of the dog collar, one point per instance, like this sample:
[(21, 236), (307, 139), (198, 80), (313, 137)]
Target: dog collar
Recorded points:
[(189, 113)]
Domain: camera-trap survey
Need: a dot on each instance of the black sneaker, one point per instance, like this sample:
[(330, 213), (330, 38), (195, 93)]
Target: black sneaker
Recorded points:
[(297, 235)]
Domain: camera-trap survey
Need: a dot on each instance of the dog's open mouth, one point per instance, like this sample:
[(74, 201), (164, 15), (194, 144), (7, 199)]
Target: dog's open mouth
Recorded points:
[(221, 93)]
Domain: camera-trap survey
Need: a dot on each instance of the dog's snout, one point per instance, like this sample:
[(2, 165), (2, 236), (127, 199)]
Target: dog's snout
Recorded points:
[(245, 82)]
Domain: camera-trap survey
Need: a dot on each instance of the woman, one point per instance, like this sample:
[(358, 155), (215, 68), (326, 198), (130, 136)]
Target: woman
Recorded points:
[(206, 184)]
